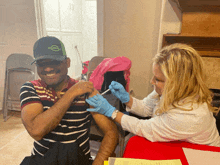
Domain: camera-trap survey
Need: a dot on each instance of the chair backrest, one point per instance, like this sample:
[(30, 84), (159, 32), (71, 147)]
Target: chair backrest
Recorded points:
[(18, 71), (93, 63), (17, 60), (16, 78)]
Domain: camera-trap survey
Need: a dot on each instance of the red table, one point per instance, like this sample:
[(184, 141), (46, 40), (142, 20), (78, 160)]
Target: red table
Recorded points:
[(141, 148)]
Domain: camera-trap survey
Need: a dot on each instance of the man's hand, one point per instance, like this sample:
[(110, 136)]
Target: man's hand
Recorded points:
[(119, 91), (101, 105), (82, 87)]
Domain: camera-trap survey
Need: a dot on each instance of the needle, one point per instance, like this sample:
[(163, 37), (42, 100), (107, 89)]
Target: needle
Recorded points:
[(105, 91)]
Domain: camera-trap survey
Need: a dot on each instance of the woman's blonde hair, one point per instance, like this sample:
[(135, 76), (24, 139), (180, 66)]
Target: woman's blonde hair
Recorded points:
[(183, 68)]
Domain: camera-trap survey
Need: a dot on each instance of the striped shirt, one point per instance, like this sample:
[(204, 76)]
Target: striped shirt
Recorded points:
[(75, 124)]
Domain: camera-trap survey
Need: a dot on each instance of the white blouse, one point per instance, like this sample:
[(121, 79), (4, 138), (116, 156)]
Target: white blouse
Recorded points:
[(196, 126)]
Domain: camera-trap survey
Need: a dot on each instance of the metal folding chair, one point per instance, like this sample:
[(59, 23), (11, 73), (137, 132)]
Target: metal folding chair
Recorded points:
[(18, 71)]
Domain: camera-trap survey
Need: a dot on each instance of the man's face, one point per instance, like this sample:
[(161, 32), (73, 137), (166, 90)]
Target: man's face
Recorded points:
[(53, 72)]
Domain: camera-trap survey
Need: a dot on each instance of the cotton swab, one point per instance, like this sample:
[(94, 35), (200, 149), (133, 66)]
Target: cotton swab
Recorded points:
[(105, 92)]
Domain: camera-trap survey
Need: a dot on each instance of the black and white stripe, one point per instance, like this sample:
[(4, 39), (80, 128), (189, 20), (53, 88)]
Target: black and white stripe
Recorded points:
[(74, 127)]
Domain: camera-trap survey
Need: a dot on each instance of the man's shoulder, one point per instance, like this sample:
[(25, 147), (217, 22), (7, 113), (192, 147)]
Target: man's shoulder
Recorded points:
[(27, 85), (37, 82), (33, 82), (71, 82), (32, 85), (28, 94)]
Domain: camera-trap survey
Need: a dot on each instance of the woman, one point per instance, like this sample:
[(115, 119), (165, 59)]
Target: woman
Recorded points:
[(180, 104)]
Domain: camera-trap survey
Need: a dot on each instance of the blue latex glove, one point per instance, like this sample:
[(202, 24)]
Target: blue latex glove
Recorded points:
[(119, 91), (101, 105)]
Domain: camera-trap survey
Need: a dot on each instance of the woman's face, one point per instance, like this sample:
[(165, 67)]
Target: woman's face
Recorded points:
[(158, 79)]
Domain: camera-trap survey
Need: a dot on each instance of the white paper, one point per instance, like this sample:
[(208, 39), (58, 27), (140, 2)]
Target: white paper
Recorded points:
[(199, 157)]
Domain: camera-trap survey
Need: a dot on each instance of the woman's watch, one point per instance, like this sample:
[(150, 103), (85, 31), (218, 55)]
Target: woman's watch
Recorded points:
[(114, 114)]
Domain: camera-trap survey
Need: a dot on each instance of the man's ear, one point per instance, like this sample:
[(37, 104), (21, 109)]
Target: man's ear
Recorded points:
[(68, 62)]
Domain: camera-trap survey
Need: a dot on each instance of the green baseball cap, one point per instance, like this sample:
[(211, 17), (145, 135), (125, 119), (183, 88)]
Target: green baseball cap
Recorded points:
[(49, 47)]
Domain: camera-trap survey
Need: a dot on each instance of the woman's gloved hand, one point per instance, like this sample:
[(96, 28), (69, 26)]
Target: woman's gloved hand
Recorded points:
[(119, 91), (101, 105)]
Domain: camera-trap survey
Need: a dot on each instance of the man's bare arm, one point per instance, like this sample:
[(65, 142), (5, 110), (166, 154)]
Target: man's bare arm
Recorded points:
[(39, 123), (110, 139)]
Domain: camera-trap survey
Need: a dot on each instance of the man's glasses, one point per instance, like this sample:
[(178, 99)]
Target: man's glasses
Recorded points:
[(48, 63)]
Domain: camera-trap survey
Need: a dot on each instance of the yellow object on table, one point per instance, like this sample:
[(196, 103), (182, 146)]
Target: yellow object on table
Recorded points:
[(131, 161)]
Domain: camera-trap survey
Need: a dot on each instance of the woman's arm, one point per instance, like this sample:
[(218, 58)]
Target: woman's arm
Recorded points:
[(143, 107), (166, 127)]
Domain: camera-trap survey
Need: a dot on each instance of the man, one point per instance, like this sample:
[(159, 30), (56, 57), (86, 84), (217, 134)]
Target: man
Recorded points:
[(54, 112)]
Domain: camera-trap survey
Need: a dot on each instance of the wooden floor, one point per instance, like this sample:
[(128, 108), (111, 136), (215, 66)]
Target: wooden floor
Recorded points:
[(16, 143)]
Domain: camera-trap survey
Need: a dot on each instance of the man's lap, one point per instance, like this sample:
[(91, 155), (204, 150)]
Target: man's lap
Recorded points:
[(59, 154)]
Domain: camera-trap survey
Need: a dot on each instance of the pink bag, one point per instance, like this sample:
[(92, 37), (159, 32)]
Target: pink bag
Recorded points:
[(120, 63)]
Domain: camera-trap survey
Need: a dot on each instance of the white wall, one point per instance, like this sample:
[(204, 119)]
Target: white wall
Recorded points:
[(171, 18), (131, 29), (17, 32)]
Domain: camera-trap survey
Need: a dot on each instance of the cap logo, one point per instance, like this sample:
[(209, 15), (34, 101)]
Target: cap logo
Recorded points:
[(54, 48)]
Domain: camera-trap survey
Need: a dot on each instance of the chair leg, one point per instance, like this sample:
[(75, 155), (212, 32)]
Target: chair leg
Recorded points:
[(4, 107), (121, 145), (5, 111)]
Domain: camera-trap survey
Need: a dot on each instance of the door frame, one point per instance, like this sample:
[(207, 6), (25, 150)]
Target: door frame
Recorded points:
[(40, 20)]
